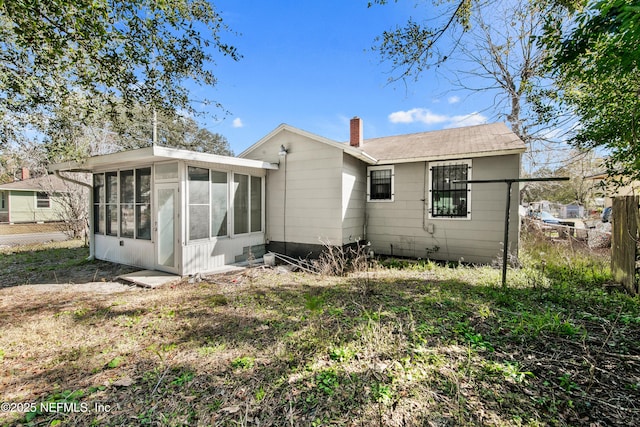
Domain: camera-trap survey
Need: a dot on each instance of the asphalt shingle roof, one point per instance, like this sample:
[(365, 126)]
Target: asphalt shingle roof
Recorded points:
[(470, 141), (44, 183)]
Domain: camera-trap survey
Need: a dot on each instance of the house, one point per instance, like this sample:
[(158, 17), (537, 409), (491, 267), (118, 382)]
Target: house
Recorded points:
[(398, 193), (33, 199), (294, 192)]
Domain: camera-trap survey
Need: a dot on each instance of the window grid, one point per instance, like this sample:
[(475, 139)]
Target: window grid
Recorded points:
[(42, 200), (449, 199), (122, 203), (380, 184)]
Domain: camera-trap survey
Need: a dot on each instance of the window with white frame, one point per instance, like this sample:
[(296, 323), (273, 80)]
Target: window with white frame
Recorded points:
[(3, 200), (42, 200), (199, 203), (247, 204), (449, 198), (380, 183), (209, 203), (122, 203)]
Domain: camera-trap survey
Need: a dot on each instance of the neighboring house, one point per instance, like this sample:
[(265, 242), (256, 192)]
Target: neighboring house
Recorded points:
[(572, 210), (32, 200), (608, 187), (294, 192)]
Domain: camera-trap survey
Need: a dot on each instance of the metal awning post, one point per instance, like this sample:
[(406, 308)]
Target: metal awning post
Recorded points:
[(507, 214)]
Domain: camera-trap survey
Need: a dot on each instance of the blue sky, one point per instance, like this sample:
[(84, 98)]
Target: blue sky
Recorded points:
[(309, 64)]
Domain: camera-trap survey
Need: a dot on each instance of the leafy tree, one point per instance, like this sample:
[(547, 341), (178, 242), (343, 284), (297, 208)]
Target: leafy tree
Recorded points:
[(596, 65), (138, 51), (122, 128)]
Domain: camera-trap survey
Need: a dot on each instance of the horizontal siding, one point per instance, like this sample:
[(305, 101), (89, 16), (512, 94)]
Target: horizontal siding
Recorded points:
[(402, 223), (354, 196), (313, 190), (138, 253), (22, 205), (208, 255)]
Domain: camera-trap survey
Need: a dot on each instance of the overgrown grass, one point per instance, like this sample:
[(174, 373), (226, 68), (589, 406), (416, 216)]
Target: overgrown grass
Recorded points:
[(406, 345)]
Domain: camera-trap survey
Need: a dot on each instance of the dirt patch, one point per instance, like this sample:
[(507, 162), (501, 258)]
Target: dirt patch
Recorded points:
[(6, 229)]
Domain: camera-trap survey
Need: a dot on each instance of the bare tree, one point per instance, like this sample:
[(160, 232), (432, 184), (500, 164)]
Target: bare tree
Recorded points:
[(491, 49)]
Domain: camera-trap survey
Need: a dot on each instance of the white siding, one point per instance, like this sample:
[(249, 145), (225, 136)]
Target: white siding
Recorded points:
[(401, 226), (208, 255), (354, 195), (139, 253), (307, 207)]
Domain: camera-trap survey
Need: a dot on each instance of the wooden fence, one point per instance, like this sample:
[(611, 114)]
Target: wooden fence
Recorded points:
[(624, 241)]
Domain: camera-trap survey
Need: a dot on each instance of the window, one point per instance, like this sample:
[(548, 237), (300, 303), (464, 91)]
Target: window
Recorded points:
[(198, 203), (219, 203), (256, 203), (380, 183), (247, 204), (143, 203), (98, 204), (42, 200), (448, 198), (241, 204), (127, 216), (208, 192), (122, 203), (111, 190), (3, 200)]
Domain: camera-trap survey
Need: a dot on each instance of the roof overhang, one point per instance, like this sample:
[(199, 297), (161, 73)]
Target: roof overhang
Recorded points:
[(457, 156), (352, 151), (152, 154)]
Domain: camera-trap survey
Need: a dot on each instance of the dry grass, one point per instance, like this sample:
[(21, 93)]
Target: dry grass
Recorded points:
[(423, 345)]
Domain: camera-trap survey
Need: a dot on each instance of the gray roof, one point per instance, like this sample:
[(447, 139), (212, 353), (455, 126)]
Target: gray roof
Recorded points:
[(465, 142), (46, 183)]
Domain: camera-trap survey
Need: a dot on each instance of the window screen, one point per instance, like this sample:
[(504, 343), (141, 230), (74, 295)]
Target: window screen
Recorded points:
[(241, 204), (127, 217), (198, 203), (143, 203), (219, 196)]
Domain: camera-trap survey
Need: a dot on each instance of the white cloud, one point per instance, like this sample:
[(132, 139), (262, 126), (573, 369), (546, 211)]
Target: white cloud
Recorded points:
[(417, 115), (237, 122), (423, 115), (453, 99), (472, 119)]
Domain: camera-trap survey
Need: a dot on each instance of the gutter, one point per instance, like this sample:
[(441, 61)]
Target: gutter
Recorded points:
[(92, 255)]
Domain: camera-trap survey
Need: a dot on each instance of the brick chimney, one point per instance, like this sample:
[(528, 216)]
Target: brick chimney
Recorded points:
[(355, 131), (24, 174)]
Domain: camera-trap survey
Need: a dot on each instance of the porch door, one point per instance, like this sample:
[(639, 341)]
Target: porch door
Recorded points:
[(166, 227)]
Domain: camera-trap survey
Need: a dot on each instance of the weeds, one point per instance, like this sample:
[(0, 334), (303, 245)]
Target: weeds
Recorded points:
[(420, 343)]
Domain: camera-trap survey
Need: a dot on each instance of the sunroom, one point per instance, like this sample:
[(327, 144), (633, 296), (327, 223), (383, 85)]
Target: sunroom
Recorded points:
[(173, 210)]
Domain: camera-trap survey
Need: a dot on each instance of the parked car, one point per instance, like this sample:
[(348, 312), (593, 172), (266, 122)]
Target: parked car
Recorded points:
[(606, 214), (547, 218)]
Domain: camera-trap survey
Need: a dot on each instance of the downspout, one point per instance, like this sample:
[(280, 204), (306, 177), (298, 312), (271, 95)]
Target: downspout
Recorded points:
[(92, 254)]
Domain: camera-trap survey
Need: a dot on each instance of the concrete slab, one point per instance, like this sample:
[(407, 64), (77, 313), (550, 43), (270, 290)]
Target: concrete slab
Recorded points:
[(150, 278)]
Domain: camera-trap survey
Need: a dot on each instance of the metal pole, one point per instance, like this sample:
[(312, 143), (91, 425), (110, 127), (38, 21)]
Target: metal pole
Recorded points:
[(505, 244), (505, 249)]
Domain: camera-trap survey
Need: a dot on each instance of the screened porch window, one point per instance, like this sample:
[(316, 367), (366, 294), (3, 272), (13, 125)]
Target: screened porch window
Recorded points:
[(199, 203), (122, 203), (380, 183), (247, 204), (450, 199)]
